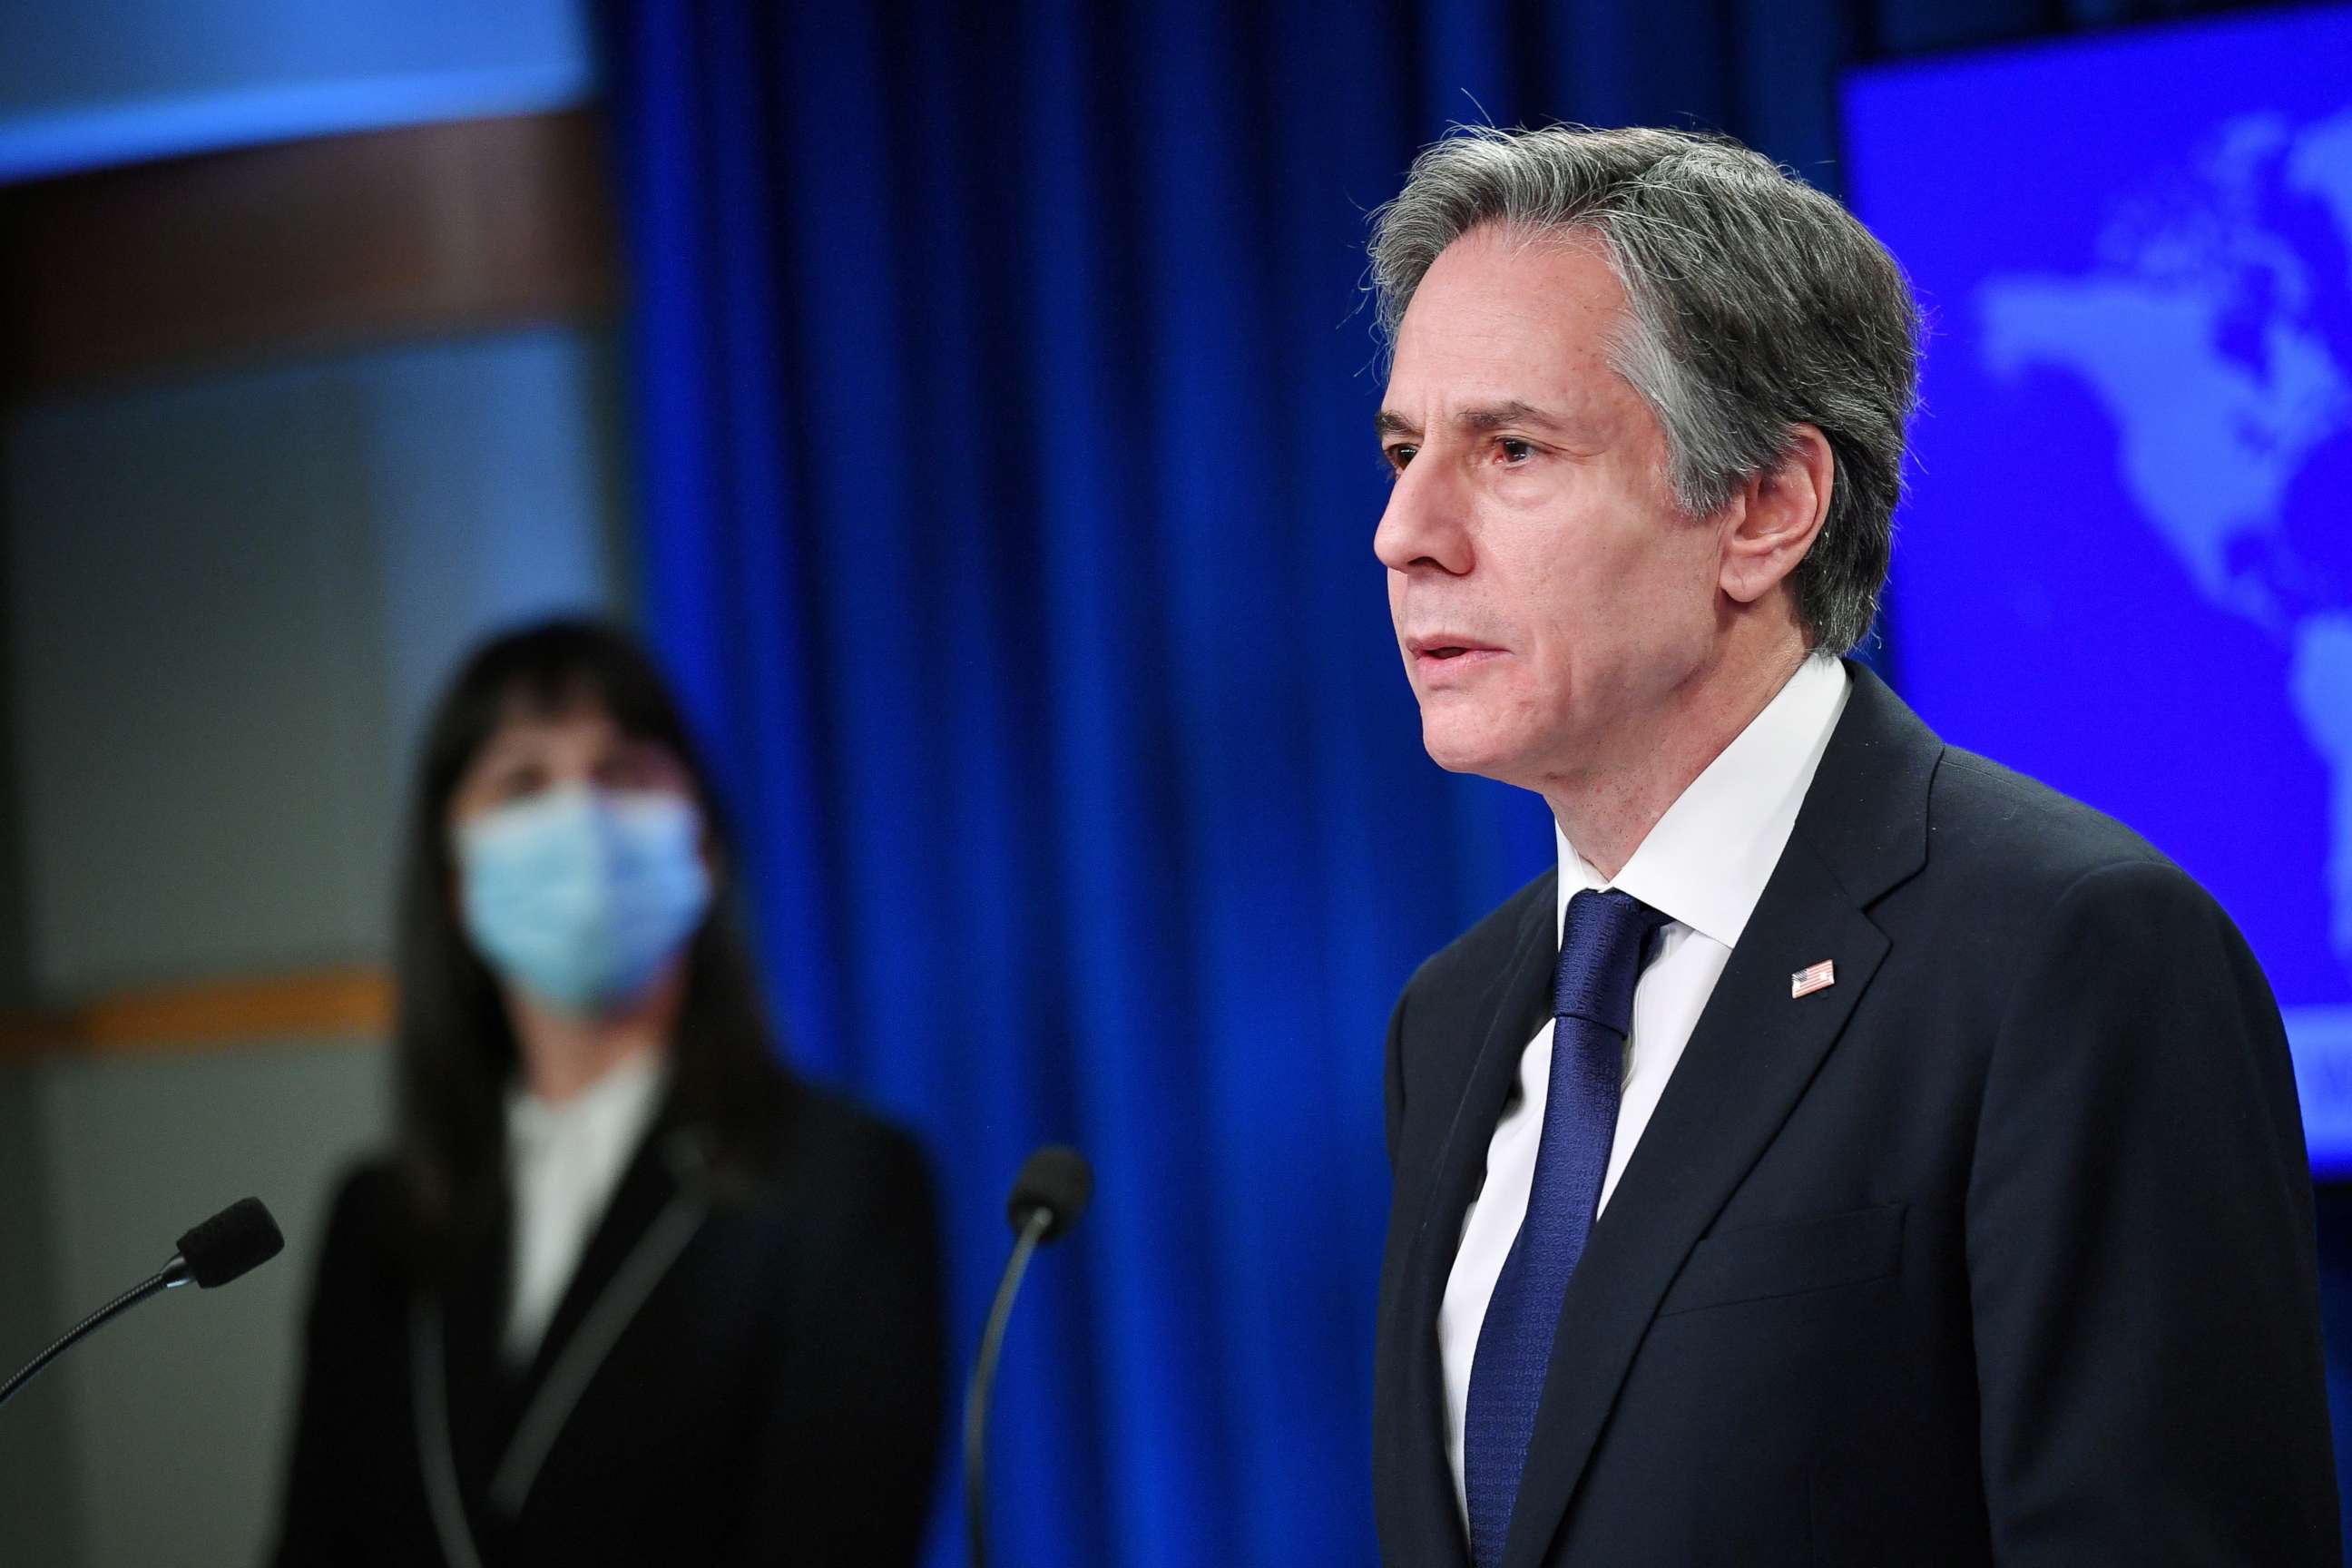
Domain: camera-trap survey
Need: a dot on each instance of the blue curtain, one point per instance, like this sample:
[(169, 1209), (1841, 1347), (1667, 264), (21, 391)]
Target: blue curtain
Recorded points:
[(1002, 393)]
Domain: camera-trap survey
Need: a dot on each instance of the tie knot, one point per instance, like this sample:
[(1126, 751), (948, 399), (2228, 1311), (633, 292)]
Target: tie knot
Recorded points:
[(1601, 947)]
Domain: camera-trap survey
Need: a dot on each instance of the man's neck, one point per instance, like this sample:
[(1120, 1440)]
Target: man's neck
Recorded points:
[(1605, 812)]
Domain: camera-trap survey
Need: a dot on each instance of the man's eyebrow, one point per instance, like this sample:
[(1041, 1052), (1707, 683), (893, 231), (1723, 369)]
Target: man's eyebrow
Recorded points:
[(1496, 416), (1478, 419)]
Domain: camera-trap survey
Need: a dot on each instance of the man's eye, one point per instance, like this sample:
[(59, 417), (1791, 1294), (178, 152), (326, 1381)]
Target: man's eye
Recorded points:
[(1399, 456), (1514, 451)]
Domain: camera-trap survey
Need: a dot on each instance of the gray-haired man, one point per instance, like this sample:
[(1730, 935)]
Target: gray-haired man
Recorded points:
[(1853, 1153)]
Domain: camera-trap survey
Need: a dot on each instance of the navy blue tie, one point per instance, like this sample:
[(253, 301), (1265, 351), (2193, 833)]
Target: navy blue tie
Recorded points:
[(1601, 950)]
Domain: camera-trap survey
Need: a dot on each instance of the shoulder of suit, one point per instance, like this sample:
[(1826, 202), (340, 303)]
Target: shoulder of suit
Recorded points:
[(831, 1145), (827, 1121), (2013, 834), (365, 1192), (354, 1240), (1472, 959)]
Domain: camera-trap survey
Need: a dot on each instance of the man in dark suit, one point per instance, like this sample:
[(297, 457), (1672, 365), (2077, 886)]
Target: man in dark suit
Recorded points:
[(1853, 1153)]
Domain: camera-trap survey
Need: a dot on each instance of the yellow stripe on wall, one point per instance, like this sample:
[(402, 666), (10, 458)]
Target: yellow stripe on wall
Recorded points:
[(308, 1005)]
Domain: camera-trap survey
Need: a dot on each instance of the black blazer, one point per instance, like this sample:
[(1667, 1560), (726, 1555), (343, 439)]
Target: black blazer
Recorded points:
[(733, 1376), (1998, 1250)]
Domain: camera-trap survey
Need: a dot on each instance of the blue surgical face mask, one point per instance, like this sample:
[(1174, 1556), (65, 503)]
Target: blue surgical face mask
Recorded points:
[(582, 895)]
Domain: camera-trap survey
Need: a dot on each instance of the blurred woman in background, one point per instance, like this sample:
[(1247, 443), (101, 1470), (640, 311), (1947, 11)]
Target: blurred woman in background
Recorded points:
[(626, 1291)]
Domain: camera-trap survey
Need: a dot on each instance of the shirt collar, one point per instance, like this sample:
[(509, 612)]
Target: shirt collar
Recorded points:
[(1706, 861)]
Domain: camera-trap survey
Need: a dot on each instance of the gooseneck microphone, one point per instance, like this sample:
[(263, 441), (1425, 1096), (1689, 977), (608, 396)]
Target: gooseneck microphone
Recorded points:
[(240, 1237), (1048, 1196)]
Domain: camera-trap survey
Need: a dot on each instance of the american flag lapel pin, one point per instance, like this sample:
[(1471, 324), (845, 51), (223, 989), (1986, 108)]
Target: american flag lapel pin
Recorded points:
[(1812, 978)]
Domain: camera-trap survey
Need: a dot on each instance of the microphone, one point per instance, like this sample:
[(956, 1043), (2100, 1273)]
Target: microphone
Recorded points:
[(1053, 1188), (1048, 1196), (240, 1237)]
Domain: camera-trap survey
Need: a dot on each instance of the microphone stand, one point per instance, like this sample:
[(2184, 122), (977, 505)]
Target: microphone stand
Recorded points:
[(174, 1275), (983, 1381)]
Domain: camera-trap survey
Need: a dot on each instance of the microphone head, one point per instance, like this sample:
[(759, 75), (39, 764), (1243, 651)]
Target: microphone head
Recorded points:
[(241, 1236), (1057, 1181)]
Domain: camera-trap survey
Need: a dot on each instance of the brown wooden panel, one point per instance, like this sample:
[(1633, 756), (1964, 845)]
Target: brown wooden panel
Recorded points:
[(313, 1005), (327, 244)]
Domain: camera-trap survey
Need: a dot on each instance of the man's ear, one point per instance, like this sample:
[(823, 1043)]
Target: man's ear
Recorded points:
[(1775, 516)]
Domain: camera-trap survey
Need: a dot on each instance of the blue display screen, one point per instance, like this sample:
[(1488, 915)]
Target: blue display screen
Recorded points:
[(2126, 563)]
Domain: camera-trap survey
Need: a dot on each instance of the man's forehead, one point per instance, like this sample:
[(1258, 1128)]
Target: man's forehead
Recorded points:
[(1500, 324), (1501, 275)]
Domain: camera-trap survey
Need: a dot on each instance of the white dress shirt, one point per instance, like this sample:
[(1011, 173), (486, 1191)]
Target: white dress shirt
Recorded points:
[(1703, 865), (562, 1163)]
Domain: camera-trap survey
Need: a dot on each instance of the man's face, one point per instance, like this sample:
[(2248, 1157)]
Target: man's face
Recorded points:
[(1550, 598)]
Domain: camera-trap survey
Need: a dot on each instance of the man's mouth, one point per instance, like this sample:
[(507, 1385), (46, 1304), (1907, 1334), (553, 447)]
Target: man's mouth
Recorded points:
[(1446, 645), (1441, 656)]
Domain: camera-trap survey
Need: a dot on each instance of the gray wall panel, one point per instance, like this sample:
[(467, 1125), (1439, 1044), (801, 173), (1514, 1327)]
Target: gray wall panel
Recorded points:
[(224, 605), (178, 1410)]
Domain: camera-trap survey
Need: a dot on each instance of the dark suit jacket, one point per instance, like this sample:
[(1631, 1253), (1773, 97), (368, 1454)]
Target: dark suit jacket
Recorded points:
[(758, 1376), (1998, 1250)]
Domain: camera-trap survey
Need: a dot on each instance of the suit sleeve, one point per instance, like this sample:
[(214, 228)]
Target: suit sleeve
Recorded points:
[(2141, 1267), (850, 1447)]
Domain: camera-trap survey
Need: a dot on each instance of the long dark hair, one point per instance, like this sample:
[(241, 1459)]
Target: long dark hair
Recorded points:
[(454, 1048)]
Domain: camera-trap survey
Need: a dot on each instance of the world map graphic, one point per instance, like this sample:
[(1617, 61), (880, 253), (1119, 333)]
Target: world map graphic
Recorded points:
[(2124, 562), (2219, 347)]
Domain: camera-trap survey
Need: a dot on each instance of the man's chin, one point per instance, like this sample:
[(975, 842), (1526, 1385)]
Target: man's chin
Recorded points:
[(1461, 753)]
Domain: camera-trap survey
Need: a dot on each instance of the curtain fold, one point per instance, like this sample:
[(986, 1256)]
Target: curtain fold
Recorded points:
[(1002, 388)]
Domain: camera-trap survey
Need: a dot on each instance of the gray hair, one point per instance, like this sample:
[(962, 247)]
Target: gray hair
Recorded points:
[(1756, 304)]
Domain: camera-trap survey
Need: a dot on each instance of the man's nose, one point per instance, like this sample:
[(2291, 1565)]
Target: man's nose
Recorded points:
[(1423, 523)]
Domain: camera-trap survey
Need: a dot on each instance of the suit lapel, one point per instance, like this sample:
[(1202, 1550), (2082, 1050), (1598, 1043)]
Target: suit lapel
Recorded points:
[(1515, 1008), (495, 1423), (568, 1368), (487, 1395), (653, 1210), (479, 1388), (1748, 1060), (643, 1188), (1754, 1051)]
